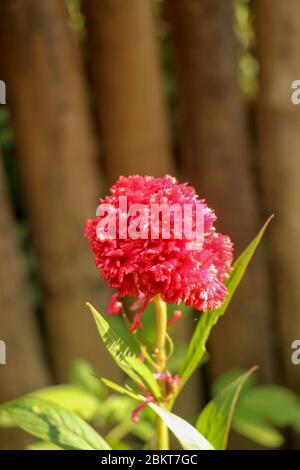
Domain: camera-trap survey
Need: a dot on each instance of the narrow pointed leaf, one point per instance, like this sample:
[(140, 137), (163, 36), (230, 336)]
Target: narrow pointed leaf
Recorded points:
[(122, 390), (187, 435), (197, 346), (215, 420), (125, 356)]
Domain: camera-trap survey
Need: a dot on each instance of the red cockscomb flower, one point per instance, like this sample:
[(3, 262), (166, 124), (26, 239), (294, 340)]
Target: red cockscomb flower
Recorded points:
[(150, 264)]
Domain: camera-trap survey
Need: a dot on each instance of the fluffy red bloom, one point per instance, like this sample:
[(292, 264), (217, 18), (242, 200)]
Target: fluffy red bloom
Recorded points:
[(144, 267)]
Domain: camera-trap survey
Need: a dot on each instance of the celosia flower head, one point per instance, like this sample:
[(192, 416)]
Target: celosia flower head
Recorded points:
[(147, 265)]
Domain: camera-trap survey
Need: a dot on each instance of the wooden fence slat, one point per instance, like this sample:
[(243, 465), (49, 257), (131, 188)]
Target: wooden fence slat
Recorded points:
[(127, 85), (216, 158), (277, 27), (25, 368), (133, 117), (57, 162)]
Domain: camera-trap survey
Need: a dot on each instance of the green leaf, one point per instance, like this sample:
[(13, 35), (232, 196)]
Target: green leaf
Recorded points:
[(83, 375), (125, 355), (40, 445), (122, 390), (230, 376), (197, 346), (71, 398), (215, 420), (262, 408), (52, 423), (275, 404), (120, 445), (116, 409), (144, 430), (257, 429), (5, 420), (187, 435)]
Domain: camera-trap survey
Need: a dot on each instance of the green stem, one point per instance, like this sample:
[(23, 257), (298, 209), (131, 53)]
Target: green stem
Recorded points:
[(160, 359), (121, 430)]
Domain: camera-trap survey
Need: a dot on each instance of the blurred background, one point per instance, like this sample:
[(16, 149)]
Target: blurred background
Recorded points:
[(200, 89)]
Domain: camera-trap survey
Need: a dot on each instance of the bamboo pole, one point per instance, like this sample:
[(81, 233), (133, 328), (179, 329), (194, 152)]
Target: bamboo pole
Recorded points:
[(25, 367), (57, 160), (278, 124), (216, 157), (126, 78)]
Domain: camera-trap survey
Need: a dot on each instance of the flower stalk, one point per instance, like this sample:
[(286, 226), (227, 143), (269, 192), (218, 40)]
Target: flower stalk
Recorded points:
[(160, 360)]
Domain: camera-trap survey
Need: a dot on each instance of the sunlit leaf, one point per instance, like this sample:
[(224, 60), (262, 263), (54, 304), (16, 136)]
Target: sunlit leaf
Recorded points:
[(187, 435), (71, 398), (215, 420), (122, 390), (197, 346), (262, 409), (230, 376), (40, 445), (52, 423), (125, 356)]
